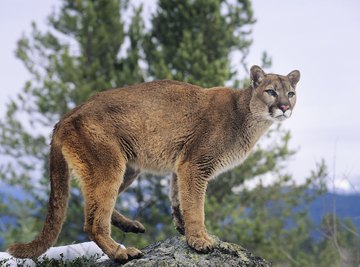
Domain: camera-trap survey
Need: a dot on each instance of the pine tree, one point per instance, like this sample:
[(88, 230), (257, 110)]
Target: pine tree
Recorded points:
[(192, 40)]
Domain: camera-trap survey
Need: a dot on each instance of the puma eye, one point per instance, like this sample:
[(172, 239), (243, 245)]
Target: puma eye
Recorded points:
[(271, 92), (291, 94)]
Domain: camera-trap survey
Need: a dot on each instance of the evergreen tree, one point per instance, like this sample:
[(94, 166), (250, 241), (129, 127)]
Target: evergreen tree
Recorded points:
[(340, 243), (192, 40)]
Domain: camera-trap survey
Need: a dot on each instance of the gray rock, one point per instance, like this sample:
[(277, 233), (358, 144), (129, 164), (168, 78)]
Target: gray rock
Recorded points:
[(174, 252)]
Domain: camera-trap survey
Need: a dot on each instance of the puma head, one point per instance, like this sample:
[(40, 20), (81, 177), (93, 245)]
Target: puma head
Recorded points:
[(273, 96)]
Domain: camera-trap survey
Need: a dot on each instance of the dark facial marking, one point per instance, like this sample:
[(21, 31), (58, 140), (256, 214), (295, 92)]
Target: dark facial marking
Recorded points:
[(282, 82), (266, 82)]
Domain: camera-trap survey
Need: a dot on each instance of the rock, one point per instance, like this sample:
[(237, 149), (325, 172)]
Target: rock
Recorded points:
[(174, 252)]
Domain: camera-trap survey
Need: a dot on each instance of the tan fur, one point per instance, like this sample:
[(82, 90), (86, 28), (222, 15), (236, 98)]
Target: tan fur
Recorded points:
[(161, 127)]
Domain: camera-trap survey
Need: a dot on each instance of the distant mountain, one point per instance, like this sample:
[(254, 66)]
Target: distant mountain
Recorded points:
[(345, 206), (15, 192)]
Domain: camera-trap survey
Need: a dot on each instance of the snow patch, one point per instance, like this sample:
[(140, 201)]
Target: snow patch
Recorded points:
[(71, 252)]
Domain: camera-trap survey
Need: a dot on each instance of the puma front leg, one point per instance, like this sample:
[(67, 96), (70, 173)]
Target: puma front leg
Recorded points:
[(192, 187)]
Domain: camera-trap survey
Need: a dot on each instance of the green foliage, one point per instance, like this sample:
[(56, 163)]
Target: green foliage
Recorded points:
[(80, 261), (46, 262), (341, 237), (269, 220), (192, 40), (26, 227)]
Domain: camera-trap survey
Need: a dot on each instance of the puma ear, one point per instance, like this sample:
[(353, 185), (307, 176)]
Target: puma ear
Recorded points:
[(256, 76), (294, 77)]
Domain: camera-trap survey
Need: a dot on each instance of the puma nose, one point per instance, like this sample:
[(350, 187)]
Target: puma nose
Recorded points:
[(284, 107)]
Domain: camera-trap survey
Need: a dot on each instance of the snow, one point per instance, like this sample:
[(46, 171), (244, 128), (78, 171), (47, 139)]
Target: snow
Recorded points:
[(71, 252)]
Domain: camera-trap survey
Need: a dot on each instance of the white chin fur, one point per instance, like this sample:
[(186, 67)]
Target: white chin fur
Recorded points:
[(287, 113), (278, 115)]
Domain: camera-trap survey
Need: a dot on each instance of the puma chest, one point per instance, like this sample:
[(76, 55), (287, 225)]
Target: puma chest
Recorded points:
[(230, 160)]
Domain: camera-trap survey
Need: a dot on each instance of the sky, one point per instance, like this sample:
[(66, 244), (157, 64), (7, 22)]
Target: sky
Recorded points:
[(320, 38)]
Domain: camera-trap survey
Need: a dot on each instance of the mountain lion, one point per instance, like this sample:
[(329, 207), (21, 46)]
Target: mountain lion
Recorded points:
[(158, 127)]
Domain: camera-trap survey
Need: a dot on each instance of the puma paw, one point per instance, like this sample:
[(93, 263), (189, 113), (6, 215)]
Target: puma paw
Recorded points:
[(133, 253), (200, 242), (135, 227), (132, 226), (180, 229), (123, 255)]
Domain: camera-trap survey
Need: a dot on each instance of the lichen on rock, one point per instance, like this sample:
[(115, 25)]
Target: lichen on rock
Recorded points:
[(174, 252)]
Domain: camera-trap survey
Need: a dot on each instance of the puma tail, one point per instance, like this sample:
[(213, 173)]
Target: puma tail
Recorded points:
[(57, 206)]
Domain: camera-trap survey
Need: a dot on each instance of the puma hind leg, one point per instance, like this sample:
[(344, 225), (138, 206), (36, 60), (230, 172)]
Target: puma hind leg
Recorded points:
[(101, 177), (99, 206), (175, 205), (125, 224), (117, 219)]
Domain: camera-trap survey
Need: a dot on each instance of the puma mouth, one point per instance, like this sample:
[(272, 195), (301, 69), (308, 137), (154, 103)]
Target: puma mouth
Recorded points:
[(279, 115), (280, 118)]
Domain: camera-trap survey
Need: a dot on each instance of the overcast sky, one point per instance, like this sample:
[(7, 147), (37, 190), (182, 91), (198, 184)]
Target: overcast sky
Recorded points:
[(320, 38)]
